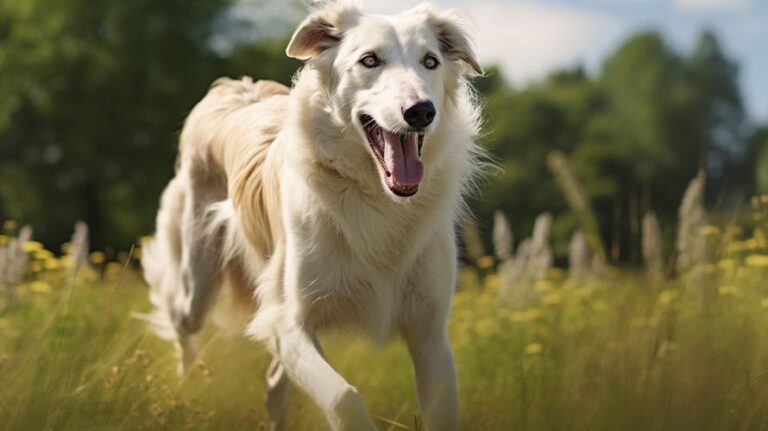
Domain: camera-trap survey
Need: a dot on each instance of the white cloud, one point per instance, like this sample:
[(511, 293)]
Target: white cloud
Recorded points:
[(712, 5), (530, 39)]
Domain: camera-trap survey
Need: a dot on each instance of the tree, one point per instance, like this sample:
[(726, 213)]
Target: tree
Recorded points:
[(635, 134), (759, 151), (92, 97), (715, 108)]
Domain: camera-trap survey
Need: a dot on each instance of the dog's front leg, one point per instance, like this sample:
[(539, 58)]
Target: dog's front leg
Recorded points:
[(435, 379), (305, 365)]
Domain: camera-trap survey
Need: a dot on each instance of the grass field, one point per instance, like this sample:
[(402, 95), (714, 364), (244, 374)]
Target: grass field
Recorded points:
[(618, 352)]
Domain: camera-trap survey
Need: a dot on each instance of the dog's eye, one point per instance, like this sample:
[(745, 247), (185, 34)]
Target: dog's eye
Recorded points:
[(430, 62), (370, 61)]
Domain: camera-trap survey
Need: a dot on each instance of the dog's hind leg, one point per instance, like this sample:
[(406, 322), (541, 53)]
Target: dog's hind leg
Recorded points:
[(186, 351), (200, 265), (278, 388), (161, 263)]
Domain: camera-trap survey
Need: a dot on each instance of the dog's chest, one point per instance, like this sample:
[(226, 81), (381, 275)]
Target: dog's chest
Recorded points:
[(355, 278)]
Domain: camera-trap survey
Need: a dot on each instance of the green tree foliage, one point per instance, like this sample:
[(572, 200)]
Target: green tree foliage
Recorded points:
[(636, 134), (94, 92), (92, 96), (759, 150), (715, 107)]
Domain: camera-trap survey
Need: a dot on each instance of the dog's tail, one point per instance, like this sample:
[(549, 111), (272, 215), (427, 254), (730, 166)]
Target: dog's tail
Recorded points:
[(161, 262)]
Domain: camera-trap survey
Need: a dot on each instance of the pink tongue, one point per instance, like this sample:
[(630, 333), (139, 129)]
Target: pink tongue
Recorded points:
[(402, 160)]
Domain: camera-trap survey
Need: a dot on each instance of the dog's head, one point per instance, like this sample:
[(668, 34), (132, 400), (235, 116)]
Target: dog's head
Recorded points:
[(389, 76)]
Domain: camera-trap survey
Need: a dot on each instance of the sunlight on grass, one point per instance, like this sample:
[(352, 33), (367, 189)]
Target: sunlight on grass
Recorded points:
[(618, 352)]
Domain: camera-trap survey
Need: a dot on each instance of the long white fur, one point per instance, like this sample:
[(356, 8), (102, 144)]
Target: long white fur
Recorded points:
[(279, 201)]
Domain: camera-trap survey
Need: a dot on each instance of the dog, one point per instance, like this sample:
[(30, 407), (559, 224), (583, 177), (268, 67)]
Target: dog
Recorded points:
[(331, 204)]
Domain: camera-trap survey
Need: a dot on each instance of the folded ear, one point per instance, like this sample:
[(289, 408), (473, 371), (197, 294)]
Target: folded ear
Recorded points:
[(451, 30), (318, 32)]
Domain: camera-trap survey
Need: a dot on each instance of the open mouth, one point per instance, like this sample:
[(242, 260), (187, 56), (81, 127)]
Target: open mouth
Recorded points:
[(399, 155)]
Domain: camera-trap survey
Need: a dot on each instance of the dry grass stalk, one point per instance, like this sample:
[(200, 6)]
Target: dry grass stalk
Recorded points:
[(691, 246), (541, 253), (529, 265), (79, 248), (473, 242), (578, 201), (653, 256), (13, 260), (502, 236), (579, 259)]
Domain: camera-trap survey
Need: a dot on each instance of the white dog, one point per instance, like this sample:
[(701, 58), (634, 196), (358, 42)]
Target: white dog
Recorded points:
[(329, 205)]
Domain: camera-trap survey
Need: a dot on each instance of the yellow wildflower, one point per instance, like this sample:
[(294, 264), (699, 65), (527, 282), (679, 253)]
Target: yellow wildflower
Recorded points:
[(51, 264), (668, 296), (533, 349), (764, 303), (97, 257), (486, 262), (492, 282), (738, 246), (31, 246), (726, 264), (525, 316), (36, 266), (728, 290), (42, 254), (583, 292), (759, 238), (66, 247), (543, 285), (757, 260), (553, 298), (486, 326), (709, 230), (112, 268), (65, 261), (39, 287), (4, 240)]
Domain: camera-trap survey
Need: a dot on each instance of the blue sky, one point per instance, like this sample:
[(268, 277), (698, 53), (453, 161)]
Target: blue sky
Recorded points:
[(529, 38)]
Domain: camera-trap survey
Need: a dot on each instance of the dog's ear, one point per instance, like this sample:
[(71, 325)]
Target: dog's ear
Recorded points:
[(319, 31), (451, 28)]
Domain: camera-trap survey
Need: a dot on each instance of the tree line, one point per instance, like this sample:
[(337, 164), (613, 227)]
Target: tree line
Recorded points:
[(94, 93)]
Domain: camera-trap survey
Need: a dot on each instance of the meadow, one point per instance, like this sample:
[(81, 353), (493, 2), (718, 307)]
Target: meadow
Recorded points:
[(620, 351)]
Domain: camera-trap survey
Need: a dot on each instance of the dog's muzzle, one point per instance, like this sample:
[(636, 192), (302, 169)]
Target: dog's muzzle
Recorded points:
[(398, 154)]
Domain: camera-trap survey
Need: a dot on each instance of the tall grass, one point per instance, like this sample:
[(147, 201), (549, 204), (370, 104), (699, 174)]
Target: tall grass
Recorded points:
[(616, 353), (622, 350)]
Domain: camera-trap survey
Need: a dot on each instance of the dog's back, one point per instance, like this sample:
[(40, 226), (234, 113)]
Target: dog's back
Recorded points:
[(224, 159), (210, 127)]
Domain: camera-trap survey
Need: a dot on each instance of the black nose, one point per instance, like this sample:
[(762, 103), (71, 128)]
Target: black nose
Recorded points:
[(420, 114)]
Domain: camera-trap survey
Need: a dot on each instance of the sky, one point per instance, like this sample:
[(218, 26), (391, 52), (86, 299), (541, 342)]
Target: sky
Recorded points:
[(530, 38)]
